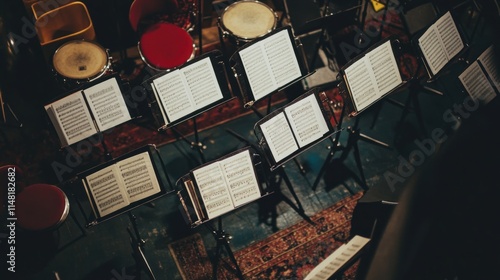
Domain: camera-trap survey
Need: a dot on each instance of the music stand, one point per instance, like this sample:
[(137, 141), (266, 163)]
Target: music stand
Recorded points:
[(219, 187), (436, 56), (267, 65), (481, 79), (291, 130), (367, 79), (121, 185), (89, 110), (188, 91)]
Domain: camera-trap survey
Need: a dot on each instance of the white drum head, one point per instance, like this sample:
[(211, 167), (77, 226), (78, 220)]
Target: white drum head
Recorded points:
[(80, 60), (248, 19)]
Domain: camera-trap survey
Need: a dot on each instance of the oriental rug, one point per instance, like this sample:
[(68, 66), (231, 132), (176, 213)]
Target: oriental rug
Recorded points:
[(288, 254)]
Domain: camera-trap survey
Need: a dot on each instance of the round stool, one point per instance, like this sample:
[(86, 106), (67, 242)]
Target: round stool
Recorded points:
[(164, 46), (41, 207)]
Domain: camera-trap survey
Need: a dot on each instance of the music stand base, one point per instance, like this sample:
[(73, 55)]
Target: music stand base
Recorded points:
[(222, 240), (137, 244)]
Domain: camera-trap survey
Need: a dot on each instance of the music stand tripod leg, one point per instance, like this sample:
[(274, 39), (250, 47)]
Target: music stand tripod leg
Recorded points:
[(298, 207), (138, 246), (222, 241)]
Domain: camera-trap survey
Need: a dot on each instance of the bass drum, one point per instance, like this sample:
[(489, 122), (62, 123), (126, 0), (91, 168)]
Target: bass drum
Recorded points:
[(78, 62)]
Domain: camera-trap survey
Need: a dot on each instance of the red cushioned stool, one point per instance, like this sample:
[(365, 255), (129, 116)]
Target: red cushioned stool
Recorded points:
[(41, 207), (164, 46)]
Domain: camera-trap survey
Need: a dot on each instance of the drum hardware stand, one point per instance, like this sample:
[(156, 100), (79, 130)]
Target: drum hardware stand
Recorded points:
[(276, 183), (7, 110), (138, 246), (222, 239)]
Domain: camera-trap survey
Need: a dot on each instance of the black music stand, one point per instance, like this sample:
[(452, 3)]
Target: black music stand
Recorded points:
[(480, 80), (278, 51), (293, 129), (100, 105), (291, 64), (360, 88), (196, 87), (329, 23), (217, 188), (103, 209), (420, 83)]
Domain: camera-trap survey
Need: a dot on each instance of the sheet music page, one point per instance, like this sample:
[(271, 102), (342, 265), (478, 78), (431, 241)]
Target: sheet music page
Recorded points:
[(385, 68), (73, 118), (213, 189), (105, 187), (325, 269), (450, 37), (282, 58), (433, 50), (174, 97), (258, 70), (337, 259), (107, 104), (476, 84), (241, 179), (161, 107), (279, 137), (361, 81), (489, 61), (202, 83), (306, 119), (139, 177)]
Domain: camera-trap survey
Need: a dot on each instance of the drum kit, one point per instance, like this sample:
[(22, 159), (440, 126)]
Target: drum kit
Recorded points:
[(164, 44)]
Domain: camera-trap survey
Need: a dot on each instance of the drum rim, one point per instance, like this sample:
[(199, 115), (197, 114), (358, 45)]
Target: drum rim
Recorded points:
[(99, 73), (226, 31)]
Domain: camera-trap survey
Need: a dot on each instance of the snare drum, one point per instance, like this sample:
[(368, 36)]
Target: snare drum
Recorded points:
[(246, 20), (164, 46), (80, 61)]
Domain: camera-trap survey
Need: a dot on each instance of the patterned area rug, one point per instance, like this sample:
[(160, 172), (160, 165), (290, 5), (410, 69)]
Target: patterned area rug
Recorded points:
[(288, 254)]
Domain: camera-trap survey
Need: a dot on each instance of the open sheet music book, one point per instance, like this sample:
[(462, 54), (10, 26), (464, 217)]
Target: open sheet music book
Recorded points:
[(267, 65), (116, 186), (481, 79), (440, 43), (372, 76), (219, 187), (86, 112), (295, 126), (338, 259), (195, 86)]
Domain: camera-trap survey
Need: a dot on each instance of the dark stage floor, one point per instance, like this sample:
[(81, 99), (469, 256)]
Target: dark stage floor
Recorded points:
[(104, 252)]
